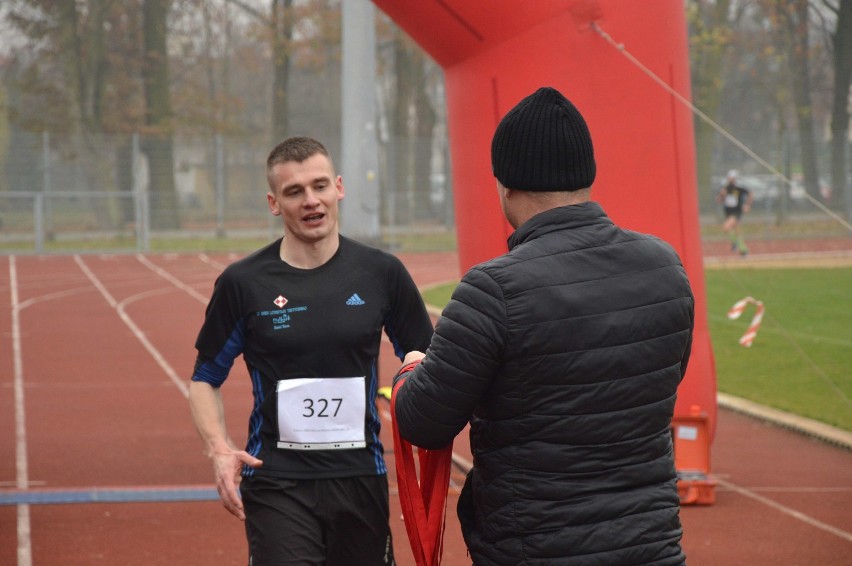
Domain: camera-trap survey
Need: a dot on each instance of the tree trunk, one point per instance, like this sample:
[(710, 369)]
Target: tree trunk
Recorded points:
[(159, 145), (84, 59), (282, 35), (401, 153), (796, 15), (710, 41), (424, 130), (842, 43), (94, 67)]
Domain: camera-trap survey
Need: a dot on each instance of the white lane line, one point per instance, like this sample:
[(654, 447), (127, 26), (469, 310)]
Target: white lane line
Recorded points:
[(22, 481), (211, 262), (786, 510), (95, 281), (172, 279), (52, 296), (25, 549), (119, 308), (158, 357), (771, 489)]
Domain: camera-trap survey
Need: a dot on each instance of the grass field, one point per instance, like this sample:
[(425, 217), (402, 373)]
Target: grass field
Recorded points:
[(801, 358)]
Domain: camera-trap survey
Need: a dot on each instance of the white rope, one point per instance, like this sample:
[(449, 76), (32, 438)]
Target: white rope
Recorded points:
[(717, 127)]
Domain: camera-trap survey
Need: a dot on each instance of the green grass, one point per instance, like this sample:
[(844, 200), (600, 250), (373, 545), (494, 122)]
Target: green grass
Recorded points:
[(800, 361), (439, 240), (439, 295)]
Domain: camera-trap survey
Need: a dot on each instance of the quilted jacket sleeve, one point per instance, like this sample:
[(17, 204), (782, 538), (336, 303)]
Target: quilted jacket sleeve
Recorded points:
[(440, 395)]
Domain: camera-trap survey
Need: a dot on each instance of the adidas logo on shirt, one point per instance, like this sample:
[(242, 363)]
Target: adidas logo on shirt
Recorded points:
[(355, 300)]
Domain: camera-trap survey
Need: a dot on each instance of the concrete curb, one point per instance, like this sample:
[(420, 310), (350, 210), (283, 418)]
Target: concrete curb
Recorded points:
[(808, 427), (799, 260), (433, 311)]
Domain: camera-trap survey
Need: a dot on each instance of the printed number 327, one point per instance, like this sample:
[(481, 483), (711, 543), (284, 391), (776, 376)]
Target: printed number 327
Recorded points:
[(321, 407)]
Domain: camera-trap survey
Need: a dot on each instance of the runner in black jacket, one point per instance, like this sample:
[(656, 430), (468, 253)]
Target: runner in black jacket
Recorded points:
[(307, 313)]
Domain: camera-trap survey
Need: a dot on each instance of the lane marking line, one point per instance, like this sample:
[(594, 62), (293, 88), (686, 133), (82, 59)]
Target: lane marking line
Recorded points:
[(119, 308), (25, 551), (172, 279), (787, 511), (211, 262), (155, 353)]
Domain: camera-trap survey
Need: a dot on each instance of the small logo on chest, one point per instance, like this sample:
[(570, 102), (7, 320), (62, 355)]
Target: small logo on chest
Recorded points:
[(355, 301), (280, 301)]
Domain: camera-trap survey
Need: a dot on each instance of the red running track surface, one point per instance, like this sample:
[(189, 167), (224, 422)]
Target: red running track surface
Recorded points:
[(95, 356)]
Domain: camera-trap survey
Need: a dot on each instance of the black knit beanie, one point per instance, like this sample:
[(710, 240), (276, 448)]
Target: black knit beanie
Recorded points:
[(543, 144)]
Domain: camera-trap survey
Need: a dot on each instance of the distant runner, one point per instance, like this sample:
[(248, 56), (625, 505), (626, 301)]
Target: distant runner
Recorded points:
[(735, 200)]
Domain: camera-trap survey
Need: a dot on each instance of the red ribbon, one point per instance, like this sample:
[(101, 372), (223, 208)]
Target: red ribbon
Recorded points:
[(424, 502)]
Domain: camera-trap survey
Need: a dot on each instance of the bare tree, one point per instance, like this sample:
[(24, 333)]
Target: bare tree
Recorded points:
[(841, 41), (70, 37), (282, 36), (757, 66), (159, 141), (66, 74), (412, 121), (280, 22), (792, 20), (710, 39)]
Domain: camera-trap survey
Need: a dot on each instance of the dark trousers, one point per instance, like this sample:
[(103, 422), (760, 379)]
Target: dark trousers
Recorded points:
[(324, 522)]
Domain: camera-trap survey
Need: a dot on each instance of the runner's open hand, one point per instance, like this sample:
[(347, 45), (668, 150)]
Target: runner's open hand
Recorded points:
[(227, 467)]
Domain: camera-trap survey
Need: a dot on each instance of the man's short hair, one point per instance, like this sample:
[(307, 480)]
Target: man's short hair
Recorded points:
[(298, 148)]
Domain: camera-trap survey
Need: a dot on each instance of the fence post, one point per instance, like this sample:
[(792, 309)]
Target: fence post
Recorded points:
[(137, 191), (140, 208), (146, 220), (220, 187), (361, 211), (46, 182), (38, 221)]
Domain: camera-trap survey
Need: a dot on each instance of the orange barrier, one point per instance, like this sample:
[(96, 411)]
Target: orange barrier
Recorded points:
[(692, 458)]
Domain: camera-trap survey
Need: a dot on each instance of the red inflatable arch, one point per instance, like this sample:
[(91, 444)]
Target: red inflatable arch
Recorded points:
[(495, 52)]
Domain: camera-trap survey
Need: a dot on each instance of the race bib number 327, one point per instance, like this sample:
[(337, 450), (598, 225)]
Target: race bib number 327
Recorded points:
[(321, 413)]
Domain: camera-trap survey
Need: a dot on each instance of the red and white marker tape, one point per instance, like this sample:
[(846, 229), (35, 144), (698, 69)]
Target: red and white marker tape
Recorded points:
[(735, 312)]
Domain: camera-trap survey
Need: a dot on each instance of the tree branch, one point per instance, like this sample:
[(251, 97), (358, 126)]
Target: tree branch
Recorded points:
[(252, 11)]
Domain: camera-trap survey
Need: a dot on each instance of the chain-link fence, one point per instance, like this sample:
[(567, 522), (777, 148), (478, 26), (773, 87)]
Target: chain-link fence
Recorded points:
[(132, 193)]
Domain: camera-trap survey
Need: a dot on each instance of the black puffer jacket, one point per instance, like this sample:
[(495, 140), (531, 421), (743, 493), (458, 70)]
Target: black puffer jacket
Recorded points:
[(565, 355)]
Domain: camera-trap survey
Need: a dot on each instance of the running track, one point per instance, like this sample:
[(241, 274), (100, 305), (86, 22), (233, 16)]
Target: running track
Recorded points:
[(102, 465)]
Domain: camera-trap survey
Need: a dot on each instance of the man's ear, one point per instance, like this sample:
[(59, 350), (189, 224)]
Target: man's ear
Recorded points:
[(273, 205), (341, 191)]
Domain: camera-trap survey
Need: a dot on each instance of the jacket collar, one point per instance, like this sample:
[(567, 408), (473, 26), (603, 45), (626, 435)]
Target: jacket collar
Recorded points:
[(561, 218)]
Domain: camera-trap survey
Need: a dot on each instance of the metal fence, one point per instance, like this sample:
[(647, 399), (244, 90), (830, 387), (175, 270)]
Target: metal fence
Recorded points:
[(56, 197), (87, 195)]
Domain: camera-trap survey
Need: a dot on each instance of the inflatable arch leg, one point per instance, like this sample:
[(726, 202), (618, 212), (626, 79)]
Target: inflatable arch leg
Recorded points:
[(495, 52)]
